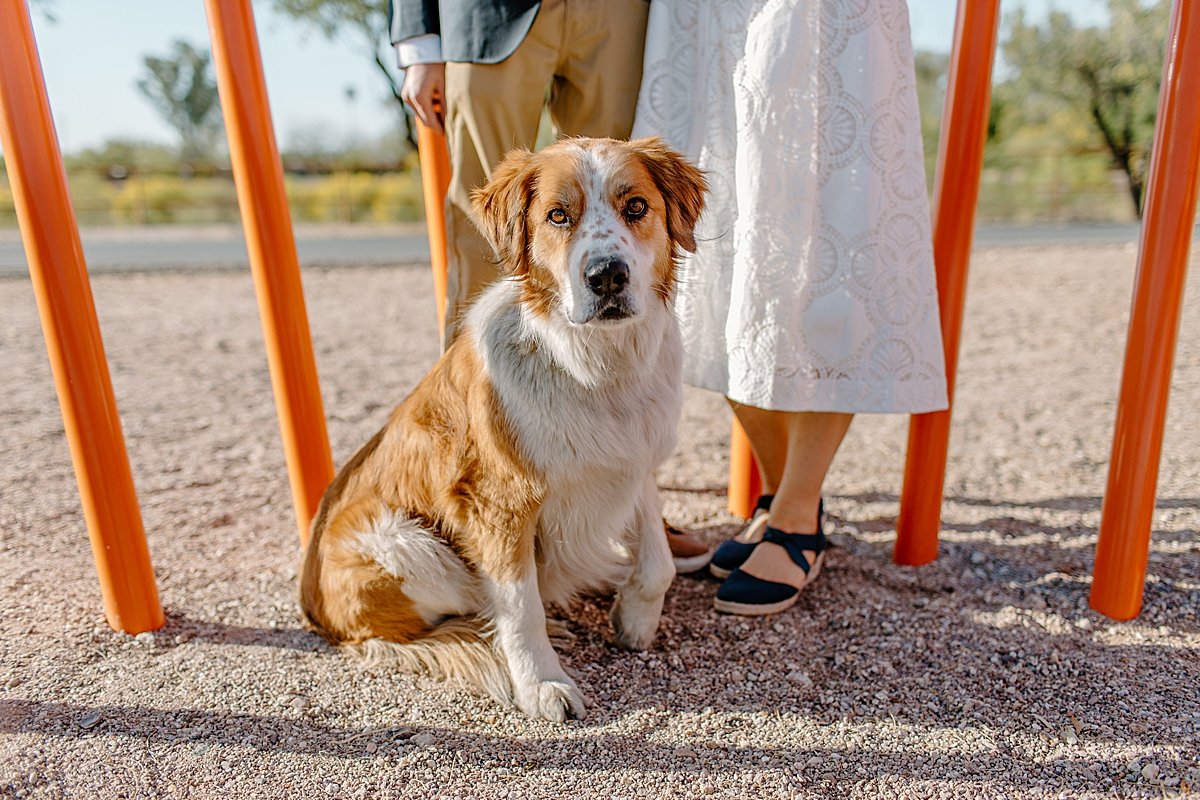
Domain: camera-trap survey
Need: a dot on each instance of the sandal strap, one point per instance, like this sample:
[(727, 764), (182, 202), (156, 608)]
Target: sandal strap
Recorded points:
[(764, 502), (796, 544), (752, 533)]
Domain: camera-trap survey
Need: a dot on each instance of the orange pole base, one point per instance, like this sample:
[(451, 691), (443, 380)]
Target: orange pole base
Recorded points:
[(68, 315), (258, 173), (1123, 548), (920, 518), (956, 193), (745, 482), (435, 182)]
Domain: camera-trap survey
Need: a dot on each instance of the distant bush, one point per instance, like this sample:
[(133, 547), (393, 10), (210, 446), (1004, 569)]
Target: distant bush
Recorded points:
[(92, 195), (163, 199), (1054, 188), (8, 214), (399, 199), (166, 199), (356, 197)]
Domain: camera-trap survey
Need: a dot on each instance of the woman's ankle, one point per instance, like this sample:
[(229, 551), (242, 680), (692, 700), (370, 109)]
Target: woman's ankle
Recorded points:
[(796, 515)]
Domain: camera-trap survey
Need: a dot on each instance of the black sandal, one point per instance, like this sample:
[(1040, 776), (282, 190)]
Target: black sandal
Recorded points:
[(732, 553), (747, 595)]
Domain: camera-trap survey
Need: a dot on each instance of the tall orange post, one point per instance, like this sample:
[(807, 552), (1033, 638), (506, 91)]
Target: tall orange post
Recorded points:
[(64, 298), (956, 192), (272, 249), (1170, 210), (435, 182), (745, 482)]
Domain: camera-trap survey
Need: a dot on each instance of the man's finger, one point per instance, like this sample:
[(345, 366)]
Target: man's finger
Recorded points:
[(418, 109), (437, 121), (428, 113)]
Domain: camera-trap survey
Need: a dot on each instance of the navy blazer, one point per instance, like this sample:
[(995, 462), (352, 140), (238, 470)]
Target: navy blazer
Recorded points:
[(475, 31)]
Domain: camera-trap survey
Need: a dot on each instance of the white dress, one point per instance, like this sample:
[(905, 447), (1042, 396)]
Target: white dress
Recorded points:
[(813, 286)]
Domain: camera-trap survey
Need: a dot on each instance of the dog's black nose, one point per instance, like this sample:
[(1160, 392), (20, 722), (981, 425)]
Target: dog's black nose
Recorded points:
[(607, 276)]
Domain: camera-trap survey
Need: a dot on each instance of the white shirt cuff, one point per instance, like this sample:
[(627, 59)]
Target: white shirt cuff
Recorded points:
[(425, 49)]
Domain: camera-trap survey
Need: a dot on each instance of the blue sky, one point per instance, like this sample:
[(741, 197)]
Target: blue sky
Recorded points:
[(92, 56)]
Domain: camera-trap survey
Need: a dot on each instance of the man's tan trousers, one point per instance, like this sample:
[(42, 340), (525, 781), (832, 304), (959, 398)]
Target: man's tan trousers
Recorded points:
[(589, 53)]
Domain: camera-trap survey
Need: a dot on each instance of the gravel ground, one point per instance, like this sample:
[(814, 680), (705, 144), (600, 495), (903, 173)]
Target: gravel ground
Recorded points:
[(983, 674)]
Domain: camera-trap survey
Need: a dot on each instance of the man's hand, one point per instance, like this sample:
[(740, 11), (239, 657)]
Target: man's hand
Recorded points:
[(424, 90)]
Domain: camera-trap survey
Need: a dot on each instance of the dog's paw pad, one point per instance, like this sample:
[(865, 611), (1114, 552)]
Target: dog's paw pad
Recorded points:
[(556, 701), (633, 629), (631, 641)]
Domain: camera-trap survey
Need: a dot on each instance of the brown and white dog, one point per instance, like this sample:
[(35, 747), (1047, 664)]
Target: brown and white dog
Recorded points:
[(520, 471)]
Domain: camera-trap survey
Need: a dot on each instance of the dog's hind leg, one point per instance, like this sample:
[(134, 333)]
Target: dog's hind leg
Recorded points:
[(639, 602), (434, 578), (374, 573)]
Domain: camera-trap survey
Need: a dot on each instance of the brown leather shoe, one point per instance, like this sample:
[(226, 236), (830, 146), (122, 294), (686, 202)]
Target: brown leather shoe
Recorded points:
[(688, 551)]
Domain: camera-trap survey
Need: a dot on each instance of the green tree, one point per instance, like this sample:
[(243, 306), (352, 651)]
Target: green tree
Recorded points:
[(118, 158), (1110, 75), (366, 21), (182, 88), (931, 95)]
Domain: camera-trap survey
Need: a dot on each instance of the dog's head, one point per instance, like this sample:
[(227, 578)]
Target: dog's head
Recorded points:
[(590, 227)]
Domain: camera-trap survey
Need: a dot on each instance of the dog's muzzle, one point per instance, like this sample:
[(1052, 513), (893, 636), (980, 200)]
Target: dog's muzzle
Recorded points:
[(607, 278)]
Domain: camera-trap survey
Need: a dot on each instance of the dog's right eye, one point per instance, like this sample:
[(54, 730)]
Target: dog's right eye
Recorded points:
[(558, 217)]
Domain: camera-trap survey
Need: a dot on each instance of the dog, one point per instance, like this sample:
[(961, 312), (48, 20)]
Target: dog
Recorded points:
[(520, 472)]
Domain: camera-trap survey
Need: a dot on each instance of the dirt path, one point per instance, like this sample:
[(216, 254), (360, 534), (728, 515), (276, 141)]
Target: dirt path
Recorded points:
[(983, 674)]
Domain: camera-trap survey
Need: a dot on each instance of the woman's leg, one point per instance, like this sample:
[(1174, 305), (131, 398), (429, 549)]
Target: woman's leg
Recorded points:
[(767, 432), (795, 450)]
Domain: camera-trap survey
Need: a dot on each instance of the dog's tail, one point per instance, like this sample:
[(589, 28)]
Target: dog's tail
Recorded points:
[(461, 649)]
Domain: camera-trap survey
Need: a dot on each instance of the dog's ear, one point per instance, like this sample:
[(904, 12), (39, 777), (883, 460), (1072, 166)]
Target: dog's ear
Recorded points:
[(500, 208), (680, 183)]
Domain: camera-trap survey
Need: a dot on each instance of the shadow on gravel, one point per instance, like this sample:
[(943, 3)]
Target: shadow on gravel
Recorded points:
[(202, 729), (1069, 503), (995, 637), (181, 629), (1013, 528), (712, 491)]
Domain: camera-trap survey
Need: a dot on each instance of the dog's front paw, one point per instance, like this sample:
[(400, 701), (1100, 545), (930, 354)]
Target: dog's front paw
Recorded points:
[(554, 700), (635, 623)]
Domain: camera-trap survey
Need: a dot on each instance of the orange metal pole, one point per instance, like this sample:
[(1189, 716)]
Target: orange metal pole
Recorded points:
[(1170, 210), (745, 482), (68, 315), (435, 181), (272, 249), (956, 192)]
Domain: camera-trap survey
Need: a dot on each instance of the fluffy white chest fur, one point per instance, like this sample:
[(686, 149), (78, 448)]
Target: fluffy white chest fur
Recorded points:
[(595, 413)]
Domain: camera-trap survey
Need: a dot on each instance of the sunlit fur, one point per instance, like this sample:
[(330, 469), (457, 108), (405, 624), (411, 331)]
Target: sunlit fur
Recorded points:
[(520, 471)]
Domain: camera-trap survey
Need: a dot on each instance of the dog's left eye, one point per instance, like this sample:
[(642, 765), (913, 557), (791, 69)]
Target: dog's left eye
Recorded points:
[(635, 208), (558, 217)]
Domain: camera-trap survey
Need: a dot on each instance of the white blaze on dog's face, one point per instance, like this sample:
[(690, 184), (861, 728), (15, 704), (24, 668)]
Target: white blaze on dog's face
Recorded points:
[(597, 224), (589, 226)]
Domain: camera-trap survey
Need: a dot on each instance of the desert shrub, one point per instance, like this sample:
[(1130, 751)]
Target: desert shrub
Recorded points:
[(398, 199), (92, 197), (152, 199), (355, 197), (8, 214)]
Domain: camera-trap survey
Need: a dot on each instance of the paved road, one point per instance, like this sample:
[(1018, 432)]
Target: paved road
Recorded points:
[(118, 249), (221, 247)]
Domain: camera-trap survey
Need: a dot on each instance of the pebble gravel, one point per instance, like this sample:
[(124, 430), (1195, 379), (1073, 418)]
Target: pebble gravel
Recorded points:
[(982, 674)]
